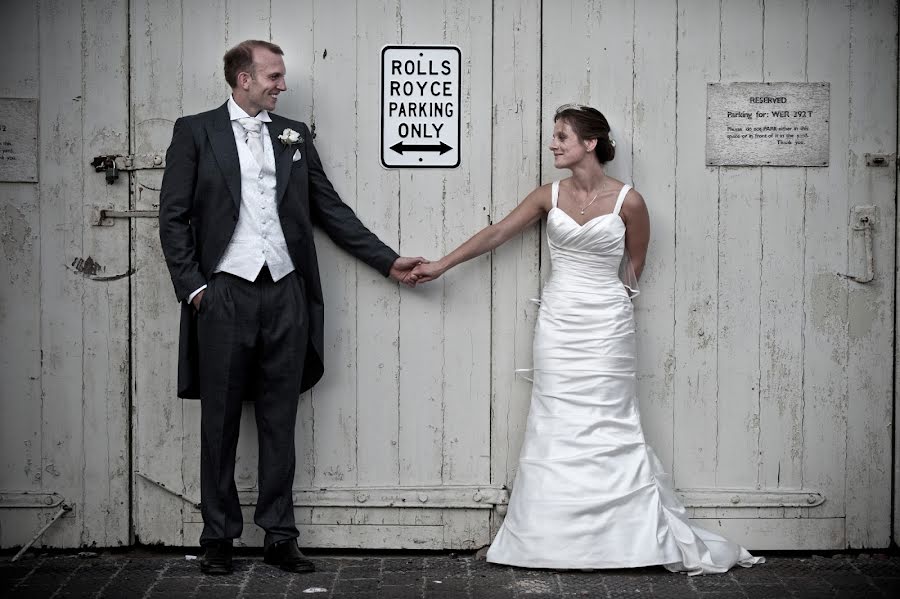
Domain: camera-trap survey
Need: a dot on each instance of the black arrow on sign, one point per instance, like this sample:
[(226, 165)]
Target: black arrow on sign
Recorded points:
[(401, 147)]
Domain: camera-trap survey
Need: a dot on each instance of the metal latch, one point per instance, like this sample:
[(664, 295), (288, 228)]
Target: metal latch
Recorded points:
[(863, 221), (111, 164), (878, 159), (101, 217), (108, 164)]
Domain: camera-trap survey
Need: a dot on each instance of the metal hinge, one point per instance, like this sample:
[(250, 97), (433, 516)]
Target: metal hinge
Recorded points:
[(111, 164)]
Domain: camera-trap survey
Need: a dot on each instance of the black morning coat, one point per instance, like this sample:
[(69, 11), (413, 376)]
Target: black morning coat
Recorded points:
[(198, 210)]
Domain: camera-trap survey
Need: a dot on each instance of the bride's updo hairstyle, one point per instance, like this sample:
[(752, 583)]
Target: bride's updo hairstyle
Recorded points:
[(589, 123)]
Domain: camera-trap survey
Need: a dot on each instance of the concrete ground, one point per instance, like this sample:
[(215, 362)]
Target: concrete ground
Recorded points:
[(143, 573)]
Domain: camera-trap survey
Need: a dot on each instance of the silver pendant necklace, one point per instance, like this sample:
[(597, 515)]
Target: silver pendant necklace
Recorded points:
[(586, 206)]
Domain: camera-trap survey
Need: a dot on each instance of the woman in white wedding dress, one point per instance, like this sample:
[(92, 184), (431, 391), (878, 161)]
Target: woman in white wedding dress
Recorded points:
[(590, 492)]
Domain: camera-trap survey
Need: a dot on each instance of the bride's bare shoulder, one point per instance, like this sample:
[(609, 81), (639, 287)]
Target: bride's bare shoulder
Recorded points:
[(541, 196)]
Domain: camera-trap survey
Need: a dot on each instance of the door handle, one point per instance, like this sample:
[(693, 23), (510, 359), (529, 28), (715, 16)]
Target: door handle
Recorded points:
[(101, 217), (863, 221)]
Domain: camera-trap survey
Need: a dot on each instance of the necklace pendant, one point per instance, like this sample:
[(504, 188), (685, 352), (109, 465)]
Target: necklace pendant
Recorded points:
[(582, 212)]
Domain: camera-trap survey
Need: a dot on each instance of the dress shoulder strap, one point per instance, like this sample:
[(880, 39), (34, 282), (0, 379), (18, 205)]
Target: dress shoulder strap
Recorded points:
[(621, 198), (554, 196)]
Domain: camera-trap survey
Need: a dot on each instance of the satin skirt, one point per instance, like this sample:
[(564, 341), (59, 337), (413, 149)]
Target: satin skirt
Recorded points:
[(590, 492)]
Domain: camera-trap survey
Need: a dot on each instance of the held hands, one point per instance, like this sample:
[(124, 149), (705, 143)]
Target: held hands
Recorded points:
[(402, 270), (427, 271)]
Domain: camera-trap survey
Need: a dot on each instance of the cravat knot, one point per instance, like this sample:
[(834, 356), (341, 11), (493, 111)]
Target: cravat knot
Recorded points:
[(251, 126), (254, 141)]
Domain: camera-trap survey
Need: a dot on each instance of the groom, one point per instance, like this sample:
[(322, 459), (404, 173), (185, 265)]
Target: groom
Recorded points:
[(241, 191)]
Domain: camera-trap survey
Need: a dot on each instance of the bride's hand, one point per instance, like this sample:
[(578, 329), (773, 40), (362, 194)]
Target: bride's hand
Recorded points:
[(426, 272)]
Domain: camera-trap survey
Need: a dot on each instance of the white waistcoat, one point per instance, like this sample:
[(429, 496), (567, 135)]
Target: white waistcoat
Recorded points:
[(258, 238)]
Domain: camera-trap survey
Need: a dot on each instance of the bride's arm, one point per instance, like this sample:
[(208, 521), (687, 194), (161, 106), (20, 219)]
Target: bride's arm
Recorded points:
[(533, 207), (637, 229)]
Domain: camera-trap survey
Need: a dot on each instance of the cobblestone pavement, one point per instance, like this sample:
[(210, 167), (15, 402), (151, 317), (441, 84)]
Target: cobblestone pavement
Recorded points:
[(437, 576)]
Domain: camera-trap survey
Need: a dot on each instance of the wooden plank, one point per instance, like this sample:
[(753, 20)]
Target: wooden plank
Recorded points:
[(206, 35), (204, 87), (777, 533), (242, 21), (601, 34), (654, 168), (373, 537), (247, 21), (335, 396), (378, 299), (337, 536), (20, 316), (466, 530), (825, 356), (158, 428), (896, 521), (422, 205), (516, 265), (739, 270), (104, 473), (292, 29), (696, 253), (873, 128), (782, 270), (467, 315), (61, 169)]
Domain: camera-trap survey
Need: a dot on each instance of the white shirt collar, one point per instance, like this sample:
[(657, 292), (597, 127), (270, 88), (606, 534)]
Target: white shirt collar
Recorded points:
[(235, 112)]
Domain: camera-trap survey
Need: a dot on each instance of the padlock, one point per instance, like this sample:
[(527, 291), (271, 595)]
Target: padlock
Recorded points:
[(112, 172)]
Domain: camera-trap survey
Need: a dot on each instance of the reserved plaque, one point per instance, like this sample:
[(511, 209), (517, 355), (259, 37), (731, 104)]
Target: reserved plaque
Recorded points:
[(18, 139), (767, 124)]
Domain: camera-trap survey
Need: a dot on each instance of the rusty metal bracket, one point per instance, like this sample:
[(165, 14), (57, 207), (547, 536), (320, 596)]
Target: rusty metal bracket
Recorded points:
[(59, 514), (130, 162), (862, 220), (103, 217), (879, 159), (29, 500), (750, 498)]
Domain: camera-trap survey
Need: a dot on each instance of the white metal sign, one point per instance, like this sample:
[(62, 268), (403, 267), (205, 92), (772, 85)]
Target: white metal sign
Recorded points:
[(420, 106), (767, 124)]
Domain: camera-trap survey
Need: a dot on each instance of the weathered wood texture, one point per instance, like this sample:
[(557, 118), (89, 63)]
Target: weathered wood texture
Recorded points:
[(64, 319), (749, 363), (516, 155), (761, 366), (405, 400)]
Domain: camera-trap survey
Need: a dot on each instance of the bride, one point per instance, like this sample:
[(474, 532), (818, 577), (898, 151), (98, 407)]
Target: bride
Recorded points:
[(590, 492)]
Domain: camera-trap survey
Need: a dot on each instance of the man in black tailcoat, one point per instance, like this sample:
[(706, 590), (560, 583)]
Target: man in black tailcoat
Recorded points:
[(240, 194)]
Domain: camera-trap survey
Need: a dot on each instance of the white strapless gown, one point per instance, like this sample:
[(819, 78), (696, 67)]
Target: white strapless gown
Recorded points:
[(590, 492)]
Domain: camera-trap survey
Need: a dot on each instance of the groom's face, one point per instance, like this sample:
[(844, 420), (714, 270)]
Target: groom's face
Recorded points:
[(267, 80)]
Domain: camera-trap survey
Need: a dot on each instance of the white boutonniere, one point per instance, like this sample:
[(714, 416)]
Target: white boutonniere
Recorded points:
[(290, 137)]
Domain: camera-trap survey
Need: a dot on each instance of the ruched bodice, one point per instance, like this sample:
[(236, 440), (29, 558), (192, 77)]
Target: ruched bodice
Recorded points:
[(588, 253), (590, 492)]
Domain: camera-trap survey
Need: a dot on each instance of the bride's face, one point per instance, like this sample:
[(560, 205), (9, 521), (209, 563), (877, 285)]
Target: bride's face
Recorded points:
[(568, 149)]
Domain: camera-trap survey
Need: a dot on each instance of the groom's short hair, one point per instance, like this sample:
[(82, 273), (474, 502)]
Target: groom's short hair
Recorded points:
[(240, 58)]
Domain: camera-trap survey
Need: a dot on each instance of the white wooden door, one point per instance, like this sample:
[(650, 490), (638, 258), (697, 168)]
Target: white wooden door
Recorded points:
[(765, 373), (64, 363), (394, 443)]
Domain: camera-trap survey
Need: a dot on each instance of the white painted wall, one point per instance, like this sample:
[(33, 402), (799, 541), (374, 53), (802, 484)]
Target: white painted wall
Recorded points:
[(764, 374)]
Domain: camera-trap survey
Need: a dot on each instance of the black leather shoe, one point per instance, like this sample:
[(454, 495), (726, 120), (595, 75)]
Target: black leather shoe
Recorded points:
[(217, 559), (286, 555)]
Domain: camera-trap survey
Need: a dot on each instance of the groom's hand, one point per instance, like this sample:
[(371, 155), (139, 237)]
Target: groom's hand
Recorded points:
[(197, 299), (401, 270)]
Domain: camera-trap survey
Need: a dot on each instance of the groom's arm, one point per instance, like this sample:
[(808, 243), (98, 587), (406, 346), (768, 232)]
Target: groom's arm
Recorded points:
[(176, 199), (338, 220)]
